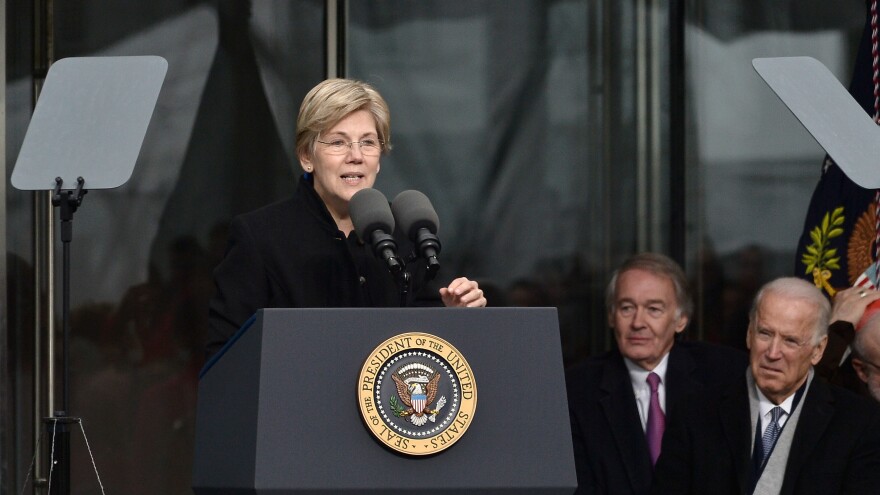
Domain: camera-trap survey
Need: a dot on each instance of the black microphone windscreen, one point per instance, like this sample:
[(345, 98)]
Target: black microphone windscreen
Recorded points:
[(413, 211), (369, 211)]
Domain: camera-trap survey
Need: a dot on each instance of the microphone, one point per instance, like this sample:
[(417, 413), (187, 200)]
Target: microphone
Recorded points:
[(418, 220), (374, 223)]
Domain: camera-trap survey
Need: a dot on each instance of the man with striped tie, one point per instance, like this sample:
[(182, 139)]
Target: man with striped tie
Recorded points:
[(778, 430)]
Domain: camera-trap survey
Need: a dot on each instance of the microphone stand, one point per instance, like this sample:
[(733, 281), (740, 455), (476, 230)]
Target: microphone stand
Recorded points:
[(403, 281), (429, 246), (59, 424), (384, 247)]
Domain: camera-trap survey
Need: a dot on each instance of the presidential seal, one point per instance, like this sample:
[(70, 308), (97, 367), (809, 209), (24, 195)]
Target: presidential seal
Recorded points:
[(417, 394)]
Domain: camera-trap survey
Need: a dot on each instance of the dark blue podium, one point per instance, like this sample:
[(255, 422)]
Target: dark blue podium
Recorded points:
[(278, 413)]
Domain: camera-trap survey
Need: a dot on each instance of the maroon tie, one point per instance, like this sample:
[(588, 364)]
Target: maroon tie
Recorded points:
[(656, 419)]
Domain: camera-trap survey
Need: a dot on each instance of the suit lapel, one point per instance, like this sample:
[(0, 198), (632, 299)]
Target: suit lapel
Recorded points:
[(736, 423), (680, 379), (818, 409), (619, 406)]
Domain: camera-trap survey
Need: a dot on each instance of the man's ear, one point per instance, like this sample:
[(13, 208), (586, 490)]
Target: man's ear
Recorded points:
[(859, 366), (681, 324), (819, 350)]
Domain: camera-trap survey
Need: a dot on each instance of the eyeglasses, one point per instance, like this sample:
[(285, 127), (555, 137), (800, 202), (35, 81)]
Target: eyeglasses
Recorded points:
[(368, 147)]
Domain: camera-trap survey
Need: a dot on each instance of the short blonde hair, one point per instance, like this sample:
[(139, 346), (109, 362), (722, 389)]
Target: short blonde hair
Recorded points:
[(331, 101)]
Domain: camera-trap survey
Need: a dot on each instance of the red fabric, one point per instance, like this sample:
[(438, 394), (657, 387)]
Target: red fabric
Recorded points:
[(870, 311)]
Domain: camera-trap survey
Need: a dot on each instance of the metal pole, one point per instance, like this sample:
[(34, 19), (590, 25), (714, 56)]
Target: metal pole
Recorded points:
[(677, 122), (336, 30), (6, 410), (44, 261)]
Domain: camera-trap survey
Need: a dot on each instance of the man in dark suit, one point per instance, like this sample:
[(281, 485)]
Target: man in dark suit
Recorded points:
[(866, 353), (849, 311), (778, 429), (615, 410)]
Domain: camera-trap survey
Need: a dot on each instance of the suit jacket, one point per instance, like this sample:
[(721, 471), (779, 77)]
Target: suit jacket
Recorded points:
[(835, 448), (610, 449), (290, 254)]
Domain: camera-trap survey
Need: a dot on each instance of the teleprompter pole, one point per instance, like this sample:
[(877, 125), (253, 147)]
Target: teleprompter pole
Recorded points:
[(58, 426)]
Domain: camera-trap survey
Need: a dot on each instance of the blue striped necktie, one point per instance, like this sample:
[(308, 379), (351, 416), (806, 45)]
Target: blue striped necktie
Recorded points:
[(772, 432)]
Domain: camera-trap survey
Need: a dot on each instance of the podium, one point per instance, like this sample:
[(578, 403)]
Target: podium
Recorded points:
[(278, 408)]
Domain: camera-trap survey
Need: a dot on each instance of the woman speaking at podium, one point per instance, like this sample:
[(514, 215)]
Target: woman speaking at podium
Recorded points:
[(303, 252)]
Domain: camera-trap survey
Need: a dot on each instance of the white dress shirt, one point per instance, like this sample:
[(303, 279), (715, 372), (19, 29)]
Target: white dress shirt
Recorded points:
[(765, 406), (639, 378)]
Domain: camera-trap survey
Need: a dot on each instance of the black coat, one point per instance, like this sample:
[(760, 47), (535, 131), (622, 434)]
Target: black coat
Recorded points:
[(610, 449), (290, 254), (835, 448)]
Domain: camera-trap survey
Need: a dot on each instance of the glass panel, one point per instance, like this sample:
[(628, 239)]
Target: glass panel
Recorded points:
[(18, 427), (219, 143), (752, 166), (516, 119)]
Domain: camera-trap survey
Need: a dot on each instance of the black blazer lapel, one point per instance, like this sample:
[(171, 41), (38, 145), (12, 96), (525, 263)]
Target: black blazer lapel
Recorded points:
[(818, 409), (737, 425), (619, 406), (681, 378)]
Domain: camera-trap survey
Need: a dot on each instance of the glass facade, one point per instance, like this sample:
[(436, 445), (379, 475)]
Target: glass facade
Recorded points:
[(219, 144), (751, 166), (499, 118), (538, 129)]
